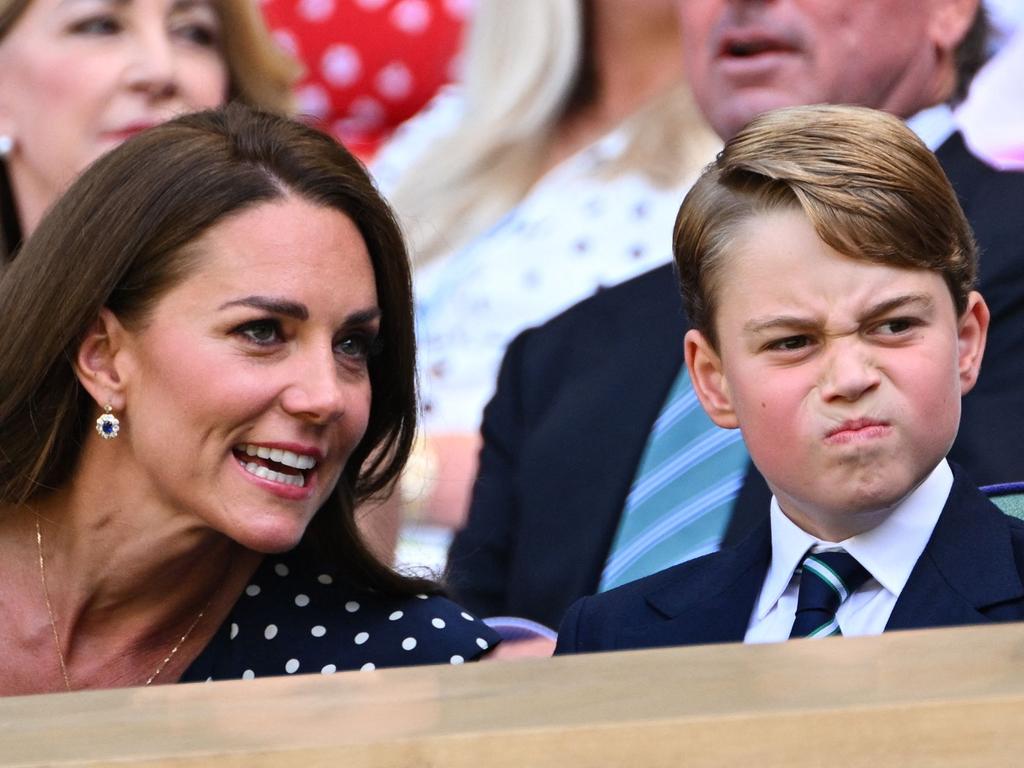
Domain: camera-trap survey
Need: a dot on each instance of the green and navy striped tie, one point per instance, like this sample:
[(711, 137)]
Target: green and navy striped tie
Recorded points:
[(826, 580), (683, 492)]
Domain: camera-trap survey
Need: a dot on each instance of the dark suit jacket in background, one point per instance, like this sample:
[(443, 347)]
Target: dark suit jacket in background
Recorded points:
[(970, 572), (577, 396)]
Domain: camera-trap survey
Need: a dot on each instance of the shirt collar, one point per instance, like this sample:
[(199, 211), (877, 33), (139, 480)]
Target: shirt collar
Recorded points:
[(889, 551), (933, 125)]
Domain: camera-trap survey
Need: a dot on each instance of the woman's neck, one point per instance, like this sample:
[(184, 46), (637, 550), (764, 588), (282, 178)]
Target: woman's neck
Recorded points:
[(124, 583)]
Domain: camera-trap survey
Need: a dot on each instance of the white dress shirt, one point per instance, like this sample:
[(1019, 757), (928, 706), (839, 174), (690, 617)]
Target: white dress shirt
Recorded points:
[(889, 552)]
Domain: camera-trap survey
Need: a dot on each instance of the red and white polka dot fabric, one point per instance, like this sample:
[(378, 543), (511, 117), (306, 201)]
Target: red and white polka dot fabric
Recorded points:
[(370, 64)]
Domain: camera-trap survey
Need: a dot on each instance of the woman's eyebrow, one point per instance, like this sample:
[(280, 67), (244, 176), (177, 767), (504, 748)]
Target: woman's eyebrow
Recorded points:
[(271, 304)]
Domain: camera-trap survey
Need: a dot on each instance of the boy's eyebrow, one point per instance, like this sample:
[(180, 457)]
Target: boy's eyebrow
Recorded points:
[(760, 325)]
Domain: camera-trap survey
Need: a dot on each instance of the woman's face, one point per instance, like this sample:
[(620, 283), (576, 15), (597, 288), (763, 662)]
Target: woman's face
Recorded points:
[(247, 389), (78, 77)]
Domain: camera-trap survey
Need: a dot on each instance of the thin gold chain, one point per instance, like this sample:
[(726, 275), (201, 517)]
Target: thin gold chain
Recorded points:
[(49, 609), (56, 635)]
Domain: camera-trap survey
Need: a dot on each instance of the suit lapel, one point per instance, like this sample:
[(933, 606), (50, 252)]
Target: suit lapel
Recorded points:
[(947, 587), (711, 598)]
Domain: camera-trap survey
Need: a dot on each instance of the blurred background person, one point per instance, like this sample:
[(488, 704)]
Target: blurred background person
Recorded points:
[(992, 116), (554, 169), (78, 78), (370, 64), (159, 523)]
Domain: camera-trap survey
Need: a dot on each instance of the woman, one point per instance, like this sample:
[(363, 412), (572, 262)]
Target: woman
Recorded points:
[(195, 332), (556, 168), (77, 78)]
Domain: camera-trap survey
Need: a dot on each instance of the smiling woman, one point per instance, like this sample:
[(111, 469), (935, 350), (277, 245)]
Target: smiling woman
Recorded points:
[(81, 76), (228, 298)]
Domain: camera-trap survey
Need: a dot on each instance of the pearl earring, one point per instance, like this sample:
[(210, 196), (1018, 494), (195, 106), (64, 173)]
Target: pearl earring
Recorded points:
[(108, 425), (6, 144)]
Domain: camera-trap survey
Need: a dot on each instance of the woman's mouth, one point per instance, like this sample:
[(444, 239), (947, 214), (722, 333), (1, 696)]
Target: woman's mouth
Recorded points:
[(275, 464)]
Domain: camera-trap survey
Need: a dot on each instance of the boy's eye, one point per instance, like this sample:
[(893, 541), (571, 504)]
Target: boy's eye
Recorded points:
[(261, 332), (790, 343), (895, 326)]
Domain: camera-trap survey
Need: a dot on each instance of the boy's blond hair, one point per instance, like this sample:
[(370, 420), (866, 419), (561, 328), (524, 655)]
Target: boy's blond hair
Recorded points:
[(870, 188)]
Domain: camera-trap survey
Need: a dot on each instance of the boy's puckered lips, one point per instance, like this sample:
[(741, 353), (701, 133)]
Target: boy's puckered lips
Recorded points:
[(857, 429)]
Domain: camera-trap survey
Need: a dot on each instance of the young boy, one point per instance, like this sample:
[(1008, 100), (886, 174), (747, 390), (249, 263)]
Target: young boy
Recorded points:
[(827, 272)]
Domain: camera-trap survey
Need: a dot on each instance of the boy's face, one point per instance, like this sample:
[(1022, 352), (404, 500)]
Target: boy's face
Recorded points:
[(845, 376)]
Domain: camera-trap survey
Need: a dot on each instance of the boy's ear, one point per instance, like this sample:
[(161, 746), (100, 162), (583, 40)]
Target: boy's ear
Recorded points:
[(971, 333), (98, 364), (709, 382)]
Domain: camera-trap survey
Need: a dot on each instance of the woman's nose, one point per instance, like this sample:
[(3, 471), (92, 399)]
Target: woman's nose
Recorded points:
[(154, 65), (318, 391)]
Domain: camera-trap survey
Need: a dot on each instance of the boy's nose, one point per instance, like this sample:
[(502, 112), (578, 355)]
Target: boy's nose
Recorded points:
[(849, 372)]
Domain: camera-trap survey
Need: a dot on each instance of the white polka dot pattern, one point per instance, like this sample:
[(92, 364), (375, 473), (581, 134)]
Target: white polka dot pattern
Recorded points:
[(411, 16), (305, 620)]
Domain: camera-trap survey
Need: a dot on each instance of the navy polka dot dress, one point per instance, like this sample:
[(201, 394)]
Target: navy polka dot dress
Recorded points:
[(294, 619)]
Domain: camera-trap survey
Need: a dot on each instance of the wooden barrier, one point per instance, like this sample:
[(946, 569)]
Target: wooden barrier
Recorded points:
[(935, 698)]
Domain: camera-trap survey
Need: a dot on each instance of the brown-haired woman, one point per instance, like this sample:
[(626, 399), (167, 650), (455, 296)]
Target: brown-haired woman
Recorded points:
[(78, 78), (193, 335)]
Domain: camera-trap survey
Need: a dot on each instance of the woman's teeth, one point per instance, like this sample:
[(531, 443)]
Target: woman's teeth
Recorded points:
[(278, 477), (278, 456)]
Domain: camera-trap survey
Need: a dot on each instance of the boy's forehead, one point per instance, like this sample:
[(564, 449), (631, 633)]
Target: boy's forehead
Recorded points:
[(776, 264)]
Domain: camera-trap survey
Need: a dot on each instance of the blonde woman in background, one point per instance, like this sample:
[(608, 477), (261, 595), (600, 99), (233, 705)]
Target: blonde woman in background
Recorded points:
[(553, 170), (77, 79)]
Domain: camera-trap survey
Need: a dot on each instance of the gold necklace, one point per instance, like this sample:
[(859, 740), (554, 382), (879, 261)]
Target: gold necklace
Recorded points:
[(56, 636)]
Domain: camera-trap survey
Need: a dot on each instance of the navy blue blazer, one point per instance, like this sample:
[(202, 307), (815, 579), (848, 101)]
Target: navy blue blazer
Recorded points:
[(971, 572), (576, 399)]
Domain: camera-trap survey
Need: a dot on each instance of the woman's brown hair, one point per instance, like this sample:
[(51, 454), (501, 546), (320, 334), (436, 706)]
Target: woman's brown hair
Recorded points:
[(119, 238)]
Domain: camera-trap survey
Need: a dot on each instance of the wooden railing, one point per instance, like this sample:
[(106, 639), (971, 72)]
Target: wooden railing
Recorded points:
[(935, 698)]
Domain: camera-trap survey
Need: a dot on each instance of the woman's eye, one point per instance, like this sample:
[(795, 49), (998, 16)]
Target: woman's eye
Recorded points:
[(262, 332), (355, 346), (96, 25), (203, 35)]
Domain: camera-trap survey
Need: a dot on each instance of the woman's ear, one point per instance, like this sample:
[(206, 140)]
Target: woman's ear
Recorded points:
[(709, 382), (98, 362), (972, 331)]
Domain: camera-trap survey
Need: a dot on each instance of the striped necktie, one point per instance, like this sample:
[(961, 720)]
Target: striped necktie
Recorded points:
[(683, 492), (827, 579)]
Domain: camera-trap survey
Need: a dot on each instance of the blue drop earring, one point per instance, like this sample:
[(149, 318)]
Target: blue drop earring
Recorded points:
[(108, 425)]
